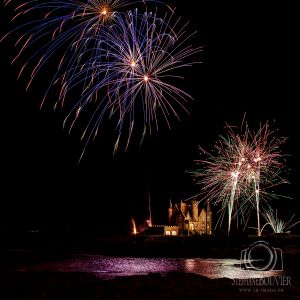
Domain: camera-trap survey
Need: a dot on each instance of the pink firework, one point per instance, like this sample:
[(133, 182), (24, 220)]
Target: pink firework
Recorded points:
[(241, 170)]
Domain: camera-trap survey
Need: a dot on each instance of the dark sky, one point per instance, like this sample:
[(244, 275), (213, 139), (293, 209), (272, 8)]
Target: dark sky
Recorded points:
[(252, 68)]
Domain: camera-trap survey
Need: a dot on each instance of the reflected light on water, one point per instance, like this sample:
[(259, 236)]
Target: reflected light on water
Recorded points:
[(110, 267), (223, 268)]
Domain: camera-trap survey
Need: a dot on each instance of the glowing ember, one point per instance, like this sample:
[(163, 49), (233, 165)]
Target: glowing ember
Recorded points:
[(134, 231)]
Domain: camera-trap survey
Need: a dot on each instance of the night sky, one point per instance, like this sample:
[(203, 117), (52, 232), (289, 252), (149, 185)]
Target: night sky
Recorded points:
[(250, 64)]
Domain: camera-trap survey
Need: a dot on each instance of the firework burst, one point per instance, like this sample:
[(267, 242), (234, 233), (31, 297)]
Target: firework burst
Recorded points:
[(241, 172), (124, 61), (143, 53)]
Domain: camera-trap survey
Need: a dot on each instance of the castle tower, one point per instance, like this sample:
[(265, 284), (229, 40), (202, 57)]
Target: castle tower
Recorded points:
[(187, 221), (184, 208), (170, 213), (202, 221), (209, 219), (195, 211)]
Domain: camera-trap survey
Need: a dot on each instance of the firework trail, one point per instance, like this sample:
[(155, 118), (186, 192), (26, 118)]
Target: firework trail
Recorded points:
[(241, 170), (123, 61)]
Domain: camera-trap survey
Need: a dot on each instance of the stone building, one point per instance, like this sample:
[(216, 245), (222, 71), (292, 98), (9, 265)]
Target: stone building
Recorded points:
[(190, 219), (185, 218)]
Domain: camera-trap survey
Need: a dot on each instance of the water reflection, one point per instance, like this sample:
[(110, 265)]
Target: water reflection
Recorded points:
[(110, 267), (219, 268)]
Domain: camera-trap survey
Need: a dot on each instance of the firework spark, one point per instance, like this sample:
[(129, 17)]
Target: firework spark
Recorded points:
[(241, 170)]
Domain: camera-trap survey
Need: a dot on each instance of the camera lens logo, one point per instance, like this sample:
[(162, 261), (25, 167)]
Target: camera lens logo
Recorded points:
[(260, 256)]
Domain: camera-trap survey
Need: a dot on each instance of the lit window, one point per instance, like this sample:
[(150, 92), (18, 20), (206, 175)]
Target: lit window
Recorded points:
[(168, 232), (174, 232)]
